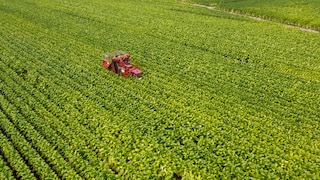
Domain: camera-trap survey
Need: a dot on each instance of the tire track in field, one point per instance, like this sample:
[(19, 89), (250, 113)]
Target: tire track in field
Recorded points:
[(251, 17)]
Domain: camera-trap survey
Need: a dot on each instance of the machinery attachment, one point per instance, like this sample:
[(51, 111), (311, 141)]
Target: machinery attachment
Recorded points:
[(119, 63)]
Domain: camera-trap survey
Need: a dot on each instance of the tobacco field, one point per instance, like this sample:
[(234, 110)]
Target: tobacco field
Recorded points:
[(222, 96), (303, 13)]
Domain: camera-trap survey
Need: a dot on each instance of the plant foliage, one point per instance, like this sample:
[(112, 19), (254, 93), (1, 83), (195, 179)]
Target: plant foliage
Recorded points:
[(222, 96)]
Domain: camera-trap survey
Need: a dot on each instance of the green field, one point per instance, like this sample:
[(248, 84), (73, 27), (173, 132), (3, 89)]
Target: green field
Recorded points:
[(222, 96), (304, 13)]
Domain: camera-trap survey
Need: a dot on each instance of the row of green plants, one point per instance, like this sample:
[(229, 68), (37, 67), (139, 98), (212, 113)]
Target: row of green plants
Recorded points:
[(10, 160), (211, 103)]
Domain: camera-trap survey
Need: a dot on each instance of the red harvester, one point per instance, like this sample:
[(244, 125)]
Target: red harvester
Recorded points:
[(119, 63)]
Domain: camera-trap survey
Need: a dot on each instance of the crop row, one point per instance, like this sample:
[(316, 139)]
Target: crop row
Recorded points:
[(12, 164)]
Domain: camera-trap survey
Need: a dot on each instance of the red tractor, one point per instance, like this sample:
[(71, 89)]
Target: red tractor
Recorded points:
[(119, 63)]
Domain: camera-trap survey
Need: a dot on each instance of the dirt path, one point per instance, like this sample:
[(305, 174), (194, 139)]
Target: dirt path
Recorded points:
[(252, 17)]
